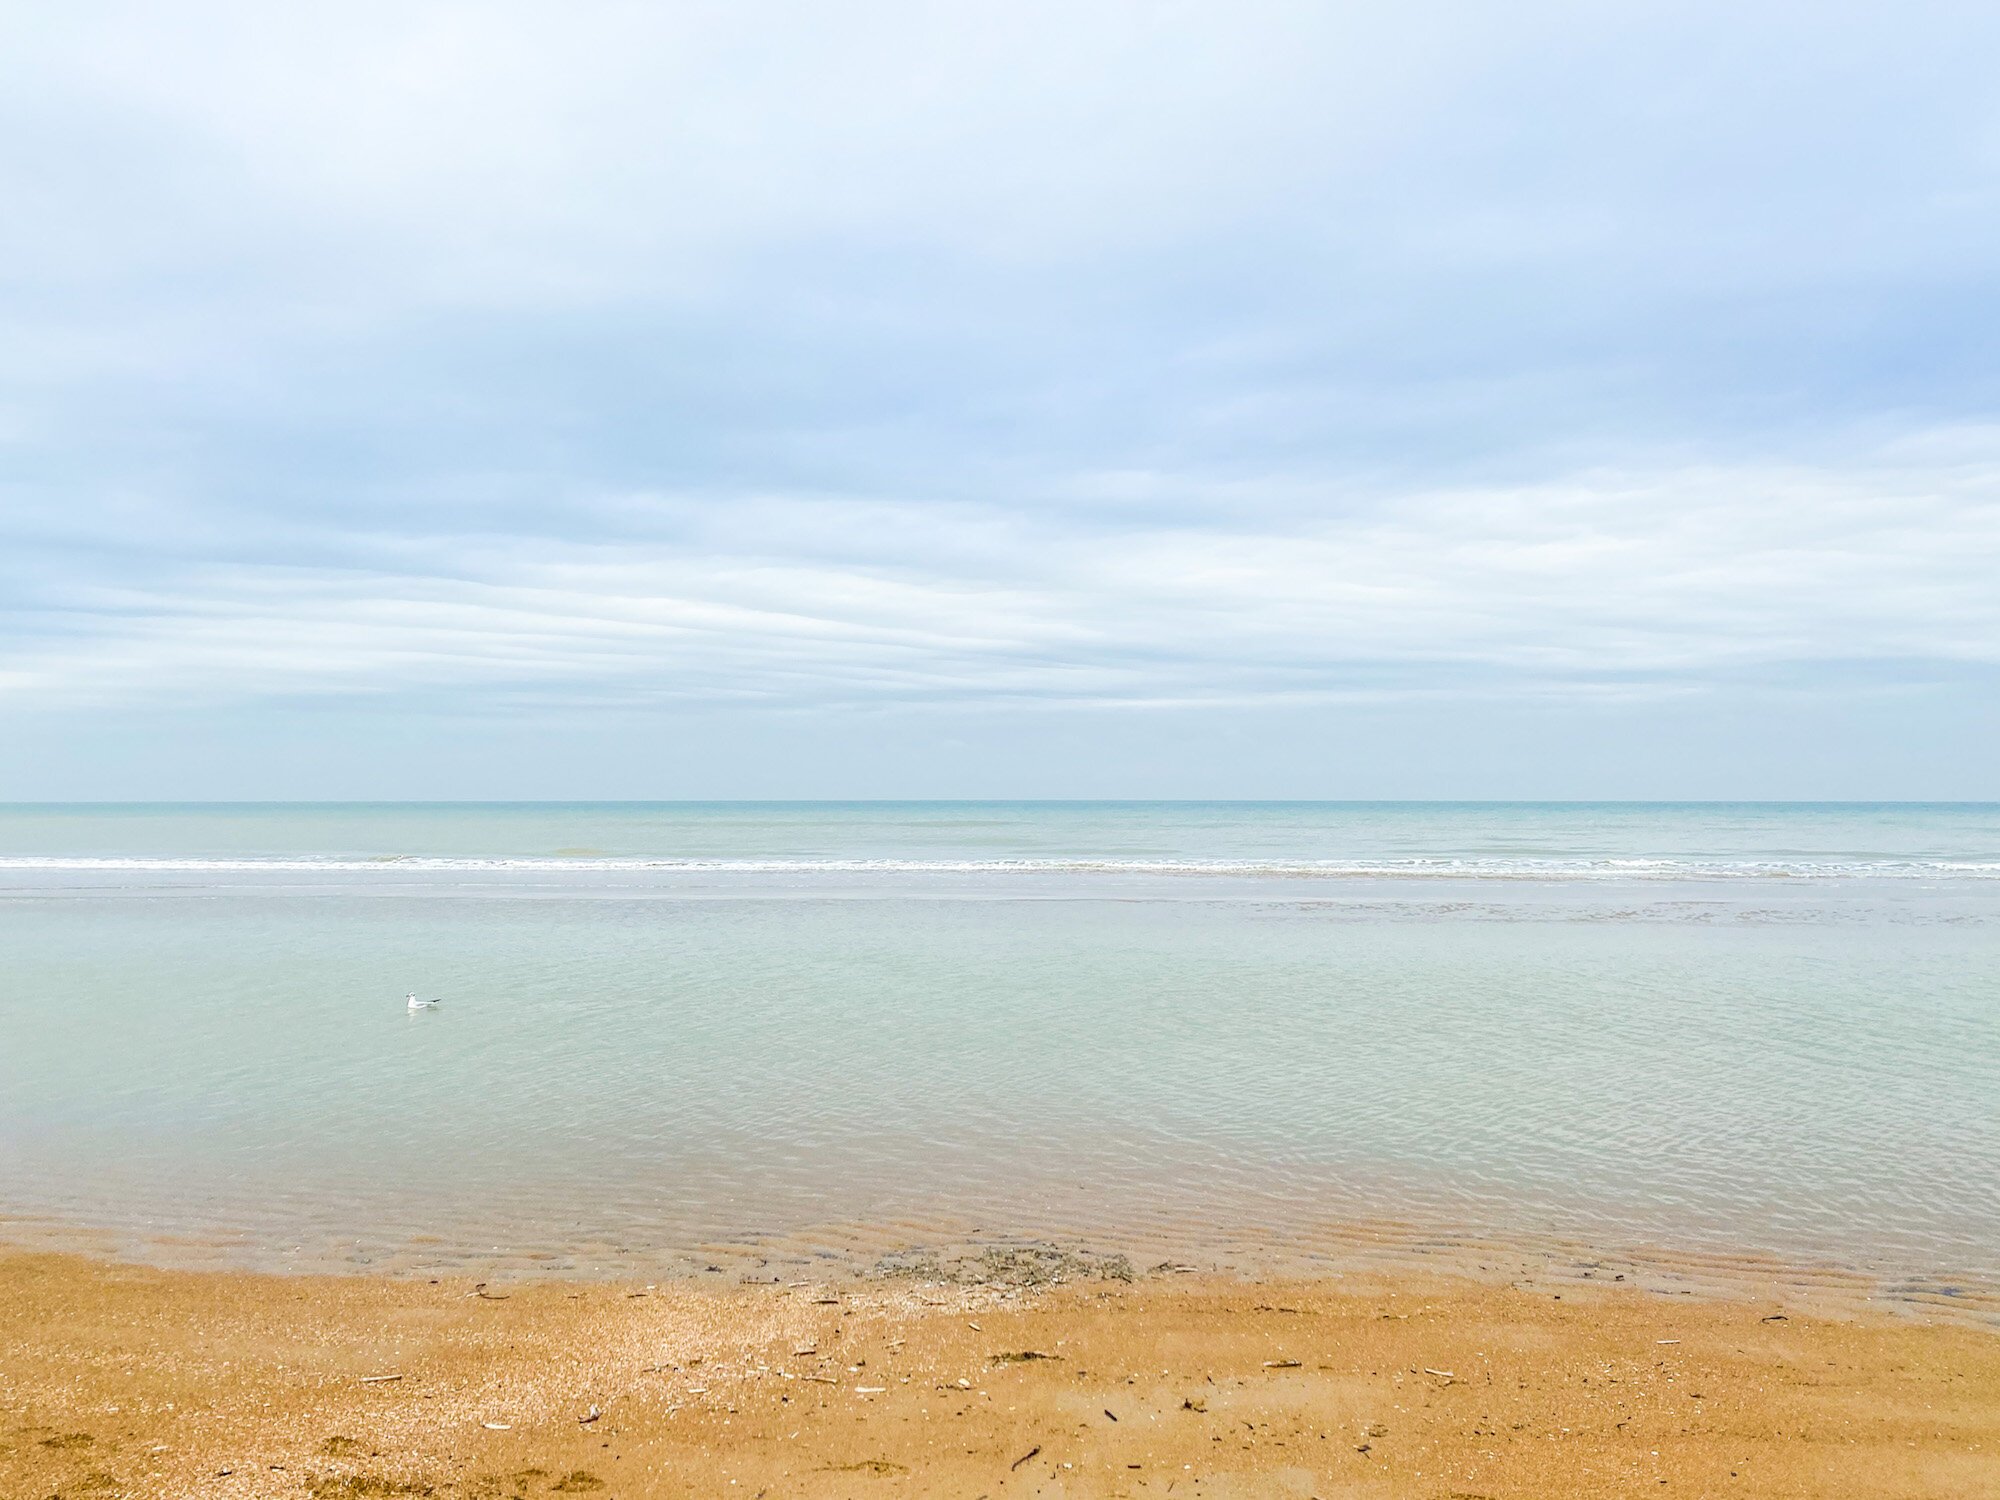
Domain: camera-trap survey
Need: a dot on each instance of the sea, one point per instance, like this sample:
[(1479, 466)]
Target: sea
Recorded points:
[(763, 1039)]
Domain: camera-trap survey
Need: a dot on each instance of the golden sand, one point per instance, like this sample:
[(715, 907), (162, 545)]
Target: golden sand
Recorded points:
[(119, 1380)]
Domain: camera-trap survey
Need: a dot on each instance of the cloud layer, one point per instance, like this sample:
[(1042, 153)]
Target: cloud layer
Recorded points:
[(1104, 355), (1602, 583)]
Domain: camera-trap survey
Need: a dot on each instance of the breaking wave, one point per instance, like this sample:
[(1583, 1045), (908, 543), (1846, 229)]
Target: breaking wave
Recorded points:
[(1298, 869)]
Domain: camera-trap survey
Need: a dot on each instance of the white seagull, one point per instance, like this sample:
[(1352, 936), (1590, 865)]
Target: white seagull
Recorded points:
[(416, 1004)]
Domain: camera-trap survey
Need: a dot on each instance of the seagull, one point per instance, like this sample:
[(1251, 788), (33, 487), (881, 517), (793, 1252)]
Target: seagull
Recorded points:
[(416, 1004)]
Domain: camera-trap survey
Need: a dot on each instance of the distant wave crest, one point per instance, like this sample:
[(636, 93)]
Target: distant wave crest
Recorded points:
[(1381, 869)]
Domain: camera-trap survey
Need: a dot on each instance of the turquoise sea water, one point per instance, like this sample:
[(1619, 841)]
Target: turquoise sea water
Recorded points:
[(671, 1027)]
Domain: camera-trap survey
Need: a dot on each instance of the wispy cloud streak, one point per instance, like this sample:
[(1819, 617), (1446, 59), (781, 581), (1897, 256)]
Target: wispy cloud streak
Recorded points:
[(1649, 581)]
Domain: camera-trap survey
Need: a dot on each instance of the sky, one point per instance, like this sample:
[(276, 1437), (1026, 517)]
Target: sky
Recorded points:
[(1094, 399)]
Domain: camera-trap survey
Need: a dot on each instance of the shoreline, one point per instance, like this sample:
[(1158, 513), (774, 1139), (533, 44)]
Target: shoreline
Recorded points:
[(119, 1379), (941, 1247)]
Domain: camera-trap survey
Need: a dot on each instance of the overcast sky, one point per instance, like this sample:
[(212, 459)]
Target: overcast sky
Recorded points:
[(1044, 399)]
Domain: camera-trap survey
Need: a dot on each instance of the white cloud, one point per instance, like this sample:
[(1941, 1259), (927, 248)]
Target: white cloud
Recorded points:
[(508, 149), (1648, 582)]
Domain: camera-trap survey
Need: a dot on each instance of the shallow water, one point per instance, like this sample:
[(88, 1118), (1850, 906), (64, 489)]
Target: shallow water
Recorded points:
[(1202, 1027)]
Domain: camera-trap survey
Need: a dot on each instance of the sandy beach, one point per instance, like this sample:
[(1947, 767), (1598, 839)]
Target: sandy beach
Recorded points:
[(123, 1380)]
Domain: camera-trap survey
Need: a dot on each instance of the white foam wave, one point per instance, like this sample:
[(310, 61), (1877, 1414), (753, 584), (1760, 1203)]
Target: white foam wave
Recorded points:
[(1392, 869)]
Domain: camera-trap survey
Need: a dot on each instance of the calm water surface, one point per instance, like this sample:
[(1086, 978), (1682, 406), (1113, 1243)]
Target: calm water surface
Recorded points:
[(667, 1027)]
